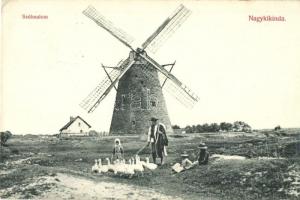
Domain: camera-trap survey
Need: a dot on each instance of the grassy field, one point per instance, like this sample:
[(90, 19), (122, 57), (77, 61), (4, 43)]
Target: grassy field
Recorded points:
[(271, 169)]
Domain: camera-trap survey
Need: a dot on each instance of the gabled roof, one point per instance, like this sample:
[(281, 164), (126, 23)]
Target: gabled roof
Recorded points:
[(71, 122)]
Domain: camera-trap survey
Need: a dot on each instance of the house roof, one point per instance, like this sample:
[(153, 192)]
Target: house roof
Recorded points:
[(71, 122)]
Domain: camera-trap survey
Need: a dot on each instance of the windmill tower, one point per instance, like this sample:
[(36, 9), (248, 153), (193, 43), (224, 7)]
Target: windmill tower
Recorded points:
[(139, 91)]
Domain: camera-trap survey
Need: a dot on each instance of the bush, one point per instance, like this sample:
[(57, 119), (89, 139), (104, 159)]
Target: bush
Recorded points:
[(4, 136), (15, 151), (291, 149), (277, 128), (93, 133), (176, 127), (4, 153)]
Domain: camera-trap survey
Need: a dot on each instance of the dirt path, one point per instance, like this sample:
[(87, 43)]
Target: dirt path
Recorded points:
[(64, 185), (72, 187)]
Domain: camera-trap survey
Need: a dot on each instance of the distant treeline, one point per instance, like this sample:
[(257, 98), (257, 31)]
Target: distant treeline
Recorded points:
[(215, 127)]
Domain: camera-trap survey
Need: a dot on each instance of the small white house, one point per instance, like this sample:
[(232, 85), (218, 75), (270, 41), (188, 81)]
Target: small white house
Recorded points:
[(76, 126)]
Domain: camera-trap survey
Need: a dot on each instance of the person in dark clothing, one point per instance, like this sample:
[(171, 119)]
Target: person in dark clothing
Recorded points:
[(203, 154), (157, 137)]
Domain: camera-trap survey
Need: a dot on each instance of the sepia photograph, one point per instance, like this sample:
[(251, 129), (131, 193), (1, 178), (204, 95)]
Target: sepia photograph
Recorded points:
[(165, 99)]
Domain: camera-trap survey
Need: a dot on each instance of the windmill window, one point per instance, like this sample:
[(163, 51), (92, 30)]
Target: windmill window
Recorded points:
[(81, 131), (123, 98), (78, 123), (153, 103), (142, 82), (136, 76), (133, 123)]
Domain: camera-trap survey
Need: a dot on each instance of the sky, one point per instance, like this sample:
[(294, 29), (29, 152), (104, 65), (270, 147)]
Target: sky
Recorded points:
[(240, 69)]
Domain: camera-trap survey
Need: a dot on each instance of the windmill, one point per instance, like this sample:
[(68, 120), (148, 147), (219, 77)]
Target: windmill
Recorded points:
[(136, 79)]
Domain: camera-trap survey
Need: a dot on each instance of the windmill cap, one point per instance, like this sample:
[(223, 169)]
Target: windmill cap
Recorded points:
[(202, 146), (153, 119)]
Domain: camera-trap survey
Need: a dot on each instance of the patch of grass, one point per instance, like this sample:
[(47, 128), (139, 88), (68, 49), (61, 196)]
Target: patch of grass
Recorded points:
[(21, 175)]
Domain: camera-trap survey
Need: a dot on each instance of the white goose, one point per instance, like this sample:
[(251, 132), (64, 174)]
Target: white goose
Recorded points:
[(99, 166), (119, 167), (104, 168), (129, 169), (95, 166), (110, 167), (137, 166), (149, 165), (142, 162)]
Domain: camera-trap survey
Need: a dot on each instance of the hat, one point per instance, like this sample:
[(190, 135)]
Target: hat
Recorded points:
[(202, 146), (184, 154), (117, 140), (153, 119)]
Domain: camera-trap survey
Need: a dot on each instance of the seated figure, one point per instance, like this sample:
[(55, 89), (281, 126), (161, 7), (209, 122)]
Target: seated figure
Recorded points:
[(202, 159)]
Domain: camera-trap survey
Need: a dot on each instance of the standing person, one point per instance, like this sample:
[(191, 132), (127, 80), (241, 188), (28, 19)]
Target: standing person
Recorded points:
[(118, 150), (157, 137)]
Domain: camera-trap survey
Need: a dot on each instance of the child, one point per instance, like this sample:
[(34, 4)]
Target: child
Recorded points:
[(118, 150)]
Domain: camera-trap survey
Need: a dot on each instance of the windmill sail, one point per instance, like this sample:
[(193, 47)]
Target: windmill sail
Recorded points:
[(166, 30), (177, 88), (174, 90), (91, 102), (181, 94), (121, 35)]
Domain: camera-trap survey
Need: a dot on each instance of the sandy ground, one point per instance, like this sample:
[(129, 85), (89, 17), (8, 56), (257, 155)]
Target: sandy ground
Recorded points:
[(65, 186), (70, 187)]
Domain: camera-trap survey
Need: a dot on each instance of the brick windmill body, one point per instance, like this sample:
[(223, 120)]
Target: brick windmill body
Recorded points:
[(139, 91), (139, 97)]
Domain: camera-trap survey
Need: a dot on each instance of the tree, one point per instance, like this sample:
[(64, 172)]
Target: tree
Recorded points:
[(4, 136), (277, 128), (199, 129), (224, 126), (237, 126), (176, 127), (214, 127), (241, 126), (188, 129), (205, 127), (246, 127), (194, 130)]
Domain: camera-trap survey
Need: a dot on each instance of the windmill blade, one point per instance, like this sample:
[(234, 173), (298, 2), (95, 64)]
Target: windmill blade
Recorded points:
[(99, 19), (177, 89), (166, 30), (171, 88), (180, 94), (91, 102)]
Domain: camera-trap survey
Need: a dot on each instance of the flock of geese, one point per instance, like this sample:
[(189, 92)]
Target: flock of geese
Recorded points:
[(122, 167)]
